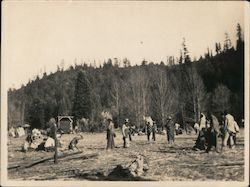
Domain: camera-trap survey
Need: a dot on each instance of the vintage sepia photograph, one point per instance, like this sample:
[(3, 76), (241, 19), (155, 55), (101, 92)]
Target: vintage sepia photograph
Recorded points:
[(100, 91)]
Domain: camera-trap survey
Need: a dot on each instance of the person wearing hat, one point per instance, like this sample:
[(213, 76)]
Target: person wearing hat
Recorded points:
[(125, 133), (170, 126), (110, 134)]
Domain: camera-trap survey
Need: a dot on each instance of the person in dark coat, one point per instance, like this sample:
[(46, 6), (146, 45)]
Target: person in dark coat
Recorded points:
[(170, 126), (200, 143), (110, 134), (154, 129), (213, 133), (149, 129)]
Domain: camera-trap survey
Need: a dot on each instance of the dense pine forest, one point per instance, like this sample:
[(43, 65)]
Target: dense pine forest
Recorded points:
[(181, 86)]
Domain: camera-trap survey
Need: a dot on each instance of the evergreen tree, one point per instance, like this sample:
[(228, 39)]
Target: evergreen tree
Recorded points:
[(239, 43), (185, 52), (227, 42), (82, 100), (36, 114)]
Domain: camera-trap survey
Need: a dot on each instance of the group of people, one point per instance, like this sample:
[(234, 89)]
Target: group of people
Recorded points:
[(210, 130), (127, 130), (126, 134)]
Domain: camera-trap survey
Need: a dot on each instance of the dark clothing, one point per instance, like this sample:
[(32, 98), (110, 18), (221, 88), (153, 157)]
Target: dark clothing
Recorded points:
[(154, 136), (213, 133), (73, 143), (149, 130), (201, 140), (129, 134), (170, 126), (154, 131), (212, 139), (148, 135)]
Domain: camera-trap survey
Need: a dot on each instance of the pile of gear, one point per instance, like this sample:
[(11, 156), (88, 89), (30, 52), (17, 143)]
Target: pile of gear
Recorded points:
[(16, 132), (131, 171)]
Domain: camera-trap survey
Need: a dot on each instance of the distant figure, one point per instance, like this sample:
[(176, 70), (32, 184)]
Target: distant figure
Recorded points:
[(229, 129), (196, 128), (149, 129), (110, 134), (125, 133), (203, 124), (213, 133), (73, 143), (177, 129), (237, 130), (154, 129), (200, 143), (170, 126)]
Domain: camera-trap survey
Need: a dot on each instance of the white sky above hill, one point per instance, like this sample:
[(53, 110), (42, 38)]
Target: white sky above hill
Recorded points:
[(38, 35)]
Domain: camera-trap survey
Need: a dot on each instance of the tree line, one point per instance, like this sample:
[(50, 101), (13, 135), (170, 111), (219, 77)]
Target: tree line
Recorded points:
[(181, 87)]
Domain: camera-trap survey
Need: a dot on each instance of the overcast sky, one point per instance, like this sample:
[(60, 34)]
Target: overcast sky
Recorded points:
[(37, 36)]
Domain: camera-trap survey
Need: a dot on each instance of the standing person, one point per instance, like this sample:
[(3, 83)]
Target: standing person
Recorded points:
[(170, 126), (154, 129), (237, 130), (125, 133), (149, 129), (229, 129), (53, 131), (212, 133), (203, 120), (130, 132), (110, 134)]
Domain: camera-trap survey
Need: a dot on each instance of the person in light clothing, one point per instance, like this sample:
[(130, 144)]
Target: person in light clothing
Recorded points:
[(229, 128), (237, 130), (196, 128), (203, 124), (125, 133)]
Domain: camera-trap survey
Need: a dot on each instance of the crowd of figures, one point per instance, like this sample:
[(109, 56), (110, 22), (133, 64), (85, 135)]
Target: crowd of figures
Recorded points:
[(150, 130), (209, 131)]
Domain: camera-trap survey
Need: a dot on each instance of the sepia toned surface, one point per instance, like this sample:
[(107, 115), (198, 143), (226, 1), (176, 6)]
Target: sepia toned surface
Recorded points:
[(59, 38), (167, 163)]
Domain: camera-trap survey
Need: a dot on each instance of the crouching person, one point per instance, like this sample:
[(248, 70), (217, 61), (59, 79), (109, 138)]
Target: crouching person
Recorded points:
[(73, 143)]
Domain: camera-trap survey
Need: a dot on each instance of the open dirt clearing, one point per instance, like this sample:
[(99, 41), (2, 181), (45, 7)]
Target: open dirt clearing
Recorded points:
[(177, 162)]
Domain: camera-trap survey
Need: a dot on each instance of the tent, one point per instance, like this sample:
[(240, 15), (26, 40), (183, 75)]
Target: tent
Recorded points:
[(20, 132)]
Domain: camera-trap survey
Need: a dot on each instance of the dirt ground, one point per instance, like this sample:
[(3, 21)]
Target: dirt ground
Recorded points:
[(166, 163)]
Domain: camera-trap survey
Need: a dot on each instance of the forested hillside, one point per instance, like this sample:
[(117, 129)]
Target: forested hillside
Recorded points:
[(181, 87)]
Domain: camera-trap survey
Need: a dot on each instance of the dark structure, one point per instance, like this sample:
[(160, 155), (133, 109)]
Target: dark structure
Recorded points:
[(65, 124)]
